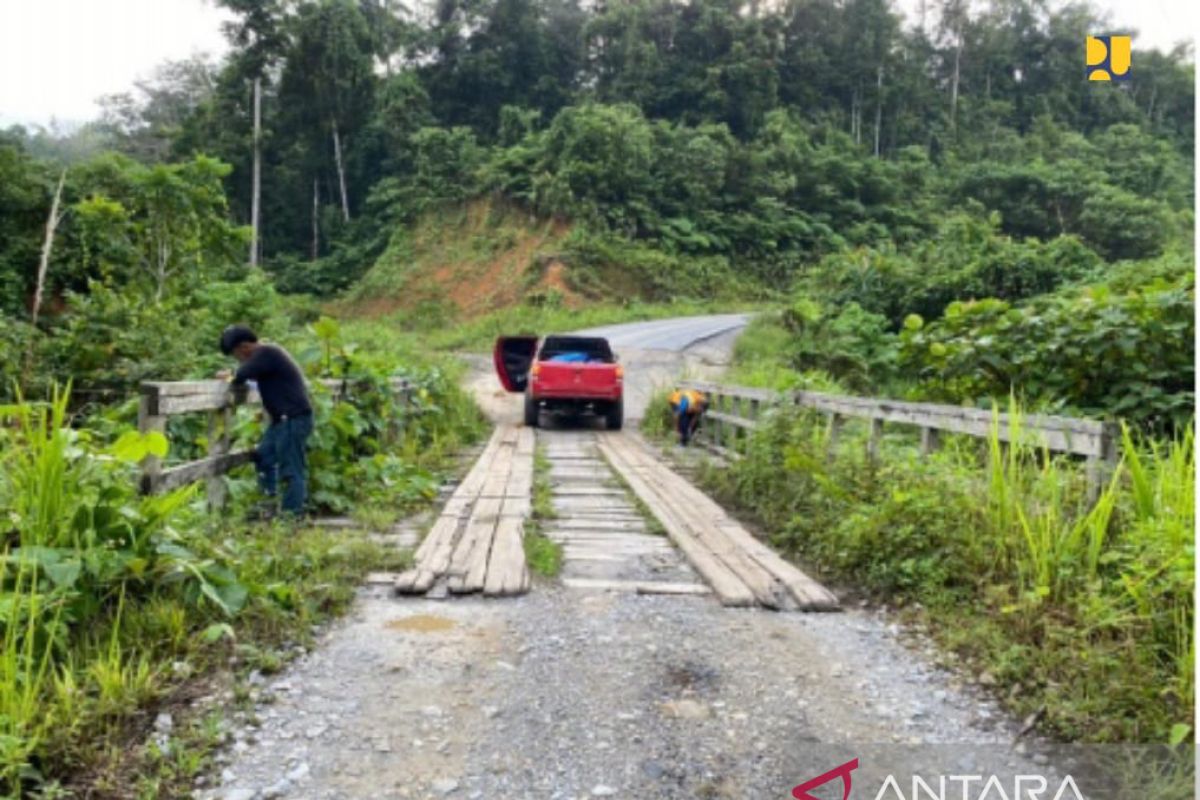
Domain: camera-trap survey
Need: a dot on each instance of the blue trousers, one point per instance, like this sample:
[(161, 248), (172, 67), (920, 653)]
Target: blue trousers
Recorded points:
[(281, 457)]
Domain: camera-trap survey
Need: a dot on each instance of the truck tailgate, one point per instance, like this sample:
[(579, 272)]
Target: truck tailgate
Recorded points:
[(583, 380)]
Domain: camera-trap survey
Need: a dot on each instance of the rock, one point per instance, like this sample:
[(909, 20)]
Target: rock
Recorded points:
[(163, 723), (445, 785), (240, 794), (316, 730), (277, 790), (491, 712), (653, 769), (600, 790), (431, 711), (987, 679), (298, 772), (686, 709)]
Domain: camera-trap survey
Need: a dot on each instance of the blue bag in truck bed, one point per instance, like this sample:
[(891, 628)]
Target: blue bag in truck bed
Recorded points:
[(571, 358)]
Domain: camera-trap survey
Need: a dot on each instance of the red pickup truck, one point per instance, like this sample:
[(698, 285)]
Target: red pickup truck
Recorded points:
[(565, 375)]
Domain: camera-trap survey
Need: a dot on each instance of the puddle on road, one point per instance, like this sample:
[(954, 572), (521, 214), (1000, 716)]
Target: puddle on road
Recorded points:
[(424, 623)]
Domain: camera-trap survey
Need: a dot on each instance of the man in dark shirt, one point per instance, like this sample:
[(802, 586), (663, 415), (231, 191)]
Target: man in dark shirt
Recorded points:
[(280, 455)]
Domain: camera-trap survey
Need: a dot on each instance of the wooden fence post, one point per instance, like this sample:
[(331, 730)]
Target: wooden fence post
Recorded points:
[(1100, 467), (873, 440), (149, 420), (930, 440), (835, 430), (219, 426)]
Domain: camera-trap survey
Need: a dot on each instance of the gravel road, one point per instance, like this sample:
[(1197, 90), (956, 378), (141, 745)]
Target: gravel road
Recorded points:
[(569, 693)]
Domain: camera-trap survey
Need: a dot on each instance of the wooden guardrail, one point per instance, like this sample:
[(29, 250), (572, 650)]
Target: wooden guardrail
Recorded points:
[(734, 411), (217, 399)]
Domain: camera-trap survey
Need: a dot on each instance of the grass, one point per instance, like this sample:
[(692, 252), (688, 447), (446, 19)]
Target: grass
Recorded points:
[(543, 555), (1085, 608), (114, 607)]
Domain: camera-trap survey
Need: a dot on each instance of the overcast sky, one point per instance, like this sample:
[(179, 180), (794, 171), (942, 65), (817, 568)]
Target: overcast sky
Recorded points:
[(58, 56)]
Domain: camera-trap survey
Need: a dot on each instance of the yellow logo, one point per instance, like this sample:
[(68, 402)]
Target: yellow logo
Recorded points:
[(1108, 58)]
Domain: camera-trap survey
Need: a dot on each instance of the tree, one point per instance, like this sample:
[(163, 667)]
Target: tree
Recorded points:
[(328, 83), (180, 222)]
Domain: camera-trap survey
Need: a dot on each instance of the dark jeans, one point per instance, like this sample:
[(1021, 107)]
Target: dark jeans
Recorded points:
[(686, 424), (281, 457)]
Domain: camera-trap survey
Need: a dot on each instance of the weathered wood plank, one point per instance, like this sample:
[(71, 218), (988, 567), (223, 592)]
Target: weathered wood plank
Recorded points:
[(1061, 434), (728, 587), (507, 559), (703, 516), (766, 574), (638, 587), (192, 471), (468, 570)]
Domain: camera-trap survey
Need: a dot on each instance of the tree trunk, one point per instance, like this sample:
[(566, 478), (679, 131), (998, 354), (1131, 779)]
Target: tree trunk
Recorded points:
[(257, 178), (316, 225), (337, 157), (954, 82), (47, 246), (878, 106), (162, 272)]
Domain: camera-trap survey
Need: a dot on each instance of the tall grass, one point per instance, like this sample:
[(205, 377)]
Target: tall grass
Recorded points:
[(1082, 604), (36, 485)]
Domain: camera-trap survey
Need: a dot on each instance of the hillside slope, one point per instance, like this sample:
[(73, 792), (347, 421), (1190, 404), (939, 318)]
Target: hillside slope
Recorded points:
[(464, 262)]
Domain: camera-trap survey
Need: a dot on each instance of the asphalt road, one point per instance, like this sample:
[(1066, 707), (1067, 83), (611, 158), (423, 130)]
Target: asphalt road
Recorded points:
[(675, 334)]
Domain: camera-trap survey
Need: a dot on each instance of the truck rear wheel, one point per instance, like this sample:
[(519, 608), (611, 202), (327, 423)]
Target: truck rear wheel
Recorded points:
[(615, 417), (531, 410)]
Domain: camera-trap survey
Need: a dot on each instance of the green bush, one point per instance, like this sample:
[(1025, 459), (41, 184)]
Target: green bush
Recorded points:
[(1095, 352), (1088, 606), (968, 258)]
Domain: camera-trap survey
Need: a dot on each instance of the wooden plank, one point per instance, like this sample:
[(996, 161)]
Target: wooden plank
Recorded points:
[(728, 587), (150, 421), (506, 564), (184, 474), (730, 419), (637, 587), (729, 540), (703, 516), (516, 507), (1061, 434), (468, 564), (808, 594), (219, 425)]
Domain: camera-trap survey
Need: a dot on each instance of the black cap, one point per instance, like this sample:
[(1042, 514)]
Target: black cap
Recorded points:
[(234, 335)]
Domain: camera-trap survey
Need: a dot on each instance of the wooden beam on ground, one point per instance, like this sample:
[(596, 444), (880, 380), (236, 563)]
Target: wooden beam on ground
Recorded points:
[(727, 586), (716, 544)]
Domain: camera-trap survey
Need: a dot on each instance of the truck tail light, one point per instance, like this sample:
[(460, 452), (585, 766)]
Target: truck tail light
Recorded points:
[(534, 370), (620, 372)]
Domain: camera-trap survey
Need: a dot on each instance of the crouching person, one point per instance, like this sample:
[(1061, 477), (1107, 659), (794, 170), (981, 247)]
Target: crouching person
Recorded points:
[(280, 457), (688, 405)]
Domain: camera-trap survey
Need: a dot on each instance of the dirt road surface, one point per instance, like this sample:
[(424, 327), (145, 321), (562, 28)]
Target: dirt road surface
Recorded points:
[(574, 693)]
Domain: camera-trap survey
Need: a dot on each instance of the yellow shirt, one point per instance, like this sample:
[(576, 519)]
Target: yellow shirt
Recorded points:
[(694, 399)]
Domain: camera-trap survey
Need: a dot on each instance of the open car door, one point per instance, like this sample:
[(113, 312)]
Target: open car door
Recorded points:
[(513, 356)]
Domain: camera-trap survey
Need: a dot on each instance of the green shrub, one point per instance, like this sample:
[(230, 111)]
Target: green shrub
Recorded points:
[(968, 258), (1088, 606), (1096, 352)]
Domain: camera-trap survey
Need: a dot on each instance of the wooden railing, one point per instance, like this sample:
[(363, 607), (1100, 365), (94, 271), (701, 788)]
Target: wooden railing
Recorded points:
[(734, 412), (217, 399)]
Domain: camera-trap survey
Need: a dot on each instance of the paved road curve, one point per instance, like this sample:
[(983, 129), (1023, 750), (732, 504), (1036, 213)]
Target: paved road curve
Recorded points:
[(675, 334)]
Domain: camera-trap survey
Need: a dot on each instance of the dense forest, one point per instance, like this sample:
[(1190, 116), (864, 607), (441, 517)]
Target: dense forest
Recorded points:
[(939, 209), (900, 165)]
